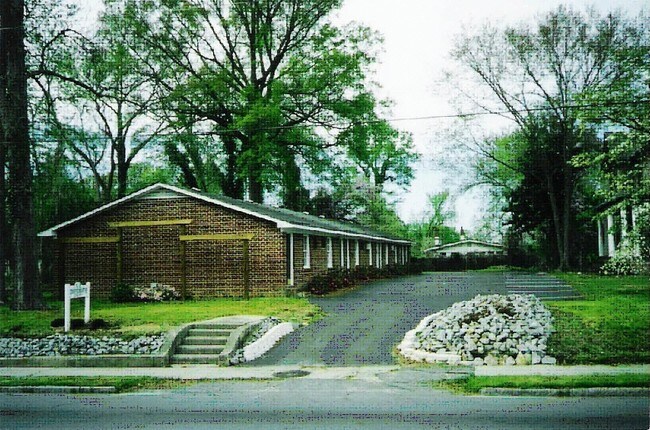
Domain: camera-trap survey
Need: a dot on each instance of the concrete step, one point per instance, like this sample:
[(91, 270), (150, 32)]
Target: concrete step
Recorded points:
[(211, 325), (195, 359), (540, 288), (199, 349), (205, 340), (208, 332)]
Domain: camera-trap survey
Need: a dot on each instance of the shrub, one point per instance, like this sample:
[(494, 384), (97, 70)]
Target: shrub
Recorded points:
[(123, 293), (623, 264)]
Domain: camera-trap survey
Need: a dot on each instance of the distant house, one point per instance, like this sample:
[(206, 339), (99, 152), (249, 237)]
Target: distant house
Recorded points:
[(465, 247), (614, 225), (207, 246)]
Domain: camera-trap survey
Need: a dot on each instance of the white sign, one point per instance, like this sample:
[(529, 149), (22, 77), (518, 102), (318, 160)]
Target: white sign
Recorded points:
[(76, 291)]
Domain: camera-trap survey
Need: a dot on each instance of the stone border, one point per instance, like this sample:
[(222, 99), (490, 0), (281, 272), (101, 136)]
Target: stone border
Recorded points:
[(160, 359), (568, 392)]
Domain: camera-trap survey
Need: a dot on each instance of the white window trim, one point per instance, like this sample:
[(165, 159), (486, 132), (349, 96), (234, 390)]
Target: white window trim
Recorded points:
[(330, 253), (291, 276), (347, 253), (306, 252)]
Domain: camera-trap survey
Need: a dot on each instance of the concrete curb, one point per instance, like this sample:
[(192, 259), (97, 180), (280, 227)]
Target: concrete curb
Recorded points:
[(58, 389), (569, 392)]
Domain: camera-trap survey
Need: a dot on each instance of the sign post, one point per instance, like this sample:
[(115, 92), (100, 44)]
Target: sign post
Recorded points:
[(76, 291)]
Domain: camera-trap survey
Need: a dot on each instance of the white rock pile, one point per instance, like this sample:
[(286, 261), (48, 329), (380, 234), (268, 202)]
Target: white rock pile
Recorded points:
[(60, 344), (491, 330)]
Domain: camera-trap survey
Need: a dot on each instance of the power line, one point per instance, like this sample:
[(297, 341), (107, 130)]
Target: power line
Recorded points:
[(342, 125)]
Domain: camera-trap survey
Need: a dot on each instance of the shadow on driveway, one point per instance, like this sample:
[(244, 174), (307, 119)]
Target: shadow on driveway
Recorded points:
[(362, 326)]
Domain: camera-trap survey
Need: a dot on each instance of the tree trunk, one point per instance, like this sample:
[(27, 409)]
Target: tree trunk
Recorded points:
[(122, 165), (255, 190), (13, 114), (232, 185), (557, 219), (567, 190), (3, 221)]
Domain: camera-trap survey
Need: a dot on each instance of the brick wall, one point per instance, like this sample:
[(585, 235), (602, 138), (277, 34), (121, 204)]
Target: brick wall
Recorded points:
[(152, 254)]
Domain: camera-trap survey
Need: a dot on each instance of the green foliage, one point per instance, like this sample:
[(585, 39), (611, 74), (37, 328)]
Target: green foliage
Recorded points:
[(341, 279), (260, 96), (123, 293), (550, 66)]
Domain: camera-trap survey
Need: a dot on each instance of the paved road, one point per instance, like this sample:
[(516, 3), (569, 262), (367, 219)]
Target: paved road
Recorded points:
[(364, 325), (394, 401)]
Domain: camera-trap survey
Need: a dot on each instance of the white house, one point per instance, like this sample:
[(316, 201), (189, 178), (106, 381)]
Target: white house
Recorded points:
[(466, 247), (613, 227)]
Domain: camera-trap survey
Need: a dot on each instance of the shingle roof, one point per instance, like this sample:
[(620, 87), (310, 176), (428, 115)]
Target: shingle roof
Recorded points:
[(284, 218)]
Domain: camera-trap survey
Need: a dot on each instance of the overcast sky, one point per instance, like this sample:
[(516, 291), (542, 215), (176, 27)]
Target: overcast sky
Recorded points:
[(418, 36)]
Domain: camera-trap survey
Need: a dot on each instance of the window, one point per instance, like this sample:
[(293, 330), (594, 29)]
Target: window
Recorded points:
[(330, 253), (305, 252)]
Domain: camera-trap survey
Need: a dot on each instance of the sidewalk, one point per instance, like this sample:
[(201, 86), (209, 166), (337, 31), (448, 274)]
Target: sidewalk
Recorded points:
[(211, 372), (208, 372)]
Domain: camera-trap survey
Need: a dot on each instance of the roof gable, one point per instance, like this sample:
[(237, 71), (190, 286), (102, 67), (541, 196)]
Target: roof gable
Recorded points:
[(284, 219), (465, 242)]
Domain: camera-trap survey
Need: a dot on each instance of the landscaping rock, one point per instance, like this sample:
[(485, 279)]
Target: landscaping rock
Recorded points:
[(61, 344), (493, 329)]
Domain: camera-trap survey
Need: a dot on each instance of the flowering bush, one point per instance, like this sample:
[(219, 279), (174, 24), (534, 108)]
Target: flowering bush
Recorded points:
[(156, 293), (624, 263)]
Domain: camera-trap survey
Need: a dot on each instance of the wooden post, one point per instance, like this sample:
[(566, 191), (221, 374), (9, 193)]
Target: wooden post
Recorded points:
[(246, 270), (118, 268), (183, 252), (61, 266)]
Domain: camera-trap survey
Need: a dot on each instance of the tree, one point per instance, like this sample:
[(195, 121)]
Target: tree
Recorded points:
[(15, 128), (549, 67), (383, 153), (106, 84), (252, 73)]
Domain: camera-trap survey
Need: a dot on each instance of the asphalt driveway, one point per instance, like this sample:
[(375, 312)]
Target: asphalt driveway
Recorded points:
[(363, 326)]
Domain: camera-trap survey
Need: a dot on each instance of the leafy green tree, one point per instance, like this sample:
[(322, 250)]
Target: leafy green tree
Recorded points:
[(251, 73), (549, 66), (383, 153), (117, 95)]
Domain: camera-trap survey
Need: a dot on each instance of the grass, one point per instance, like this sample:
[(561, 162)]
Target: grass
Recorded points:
[(133, 319), (121, 383), (473, 384), (611, 326)]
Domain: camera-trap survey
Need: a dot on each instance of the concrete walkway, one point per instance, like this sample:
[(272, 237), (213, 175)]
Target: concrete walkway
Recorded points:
[(423, 373)]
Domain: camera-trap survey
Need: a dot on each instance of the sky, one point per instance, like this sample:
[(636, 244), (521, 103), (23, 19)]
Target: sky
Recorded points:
[(418, 36)]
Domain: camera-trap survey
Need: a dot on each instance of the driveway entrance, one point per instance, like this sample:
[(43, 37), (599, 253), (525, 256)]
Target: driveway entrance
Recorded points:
[(363, 326)]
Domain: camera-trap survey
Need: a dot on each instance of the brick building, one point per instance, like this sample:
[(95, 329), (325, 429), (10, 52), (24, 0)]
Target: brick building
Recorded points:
[(209, 246)]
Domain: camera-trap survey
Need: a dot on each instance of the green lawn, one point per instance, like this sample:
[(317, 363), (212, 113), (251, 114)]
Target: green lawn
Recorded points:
[(473, 384), (133, 319), (121, 383), (611, 326)]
